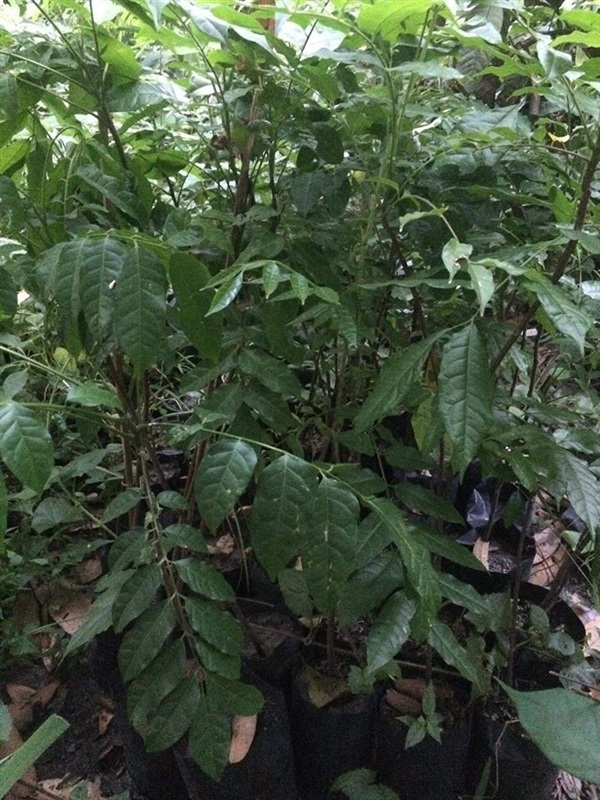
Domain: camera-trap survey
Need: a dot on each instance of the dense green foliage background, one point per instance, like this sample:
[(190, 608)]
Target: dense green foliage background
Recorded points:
[(285, 256)]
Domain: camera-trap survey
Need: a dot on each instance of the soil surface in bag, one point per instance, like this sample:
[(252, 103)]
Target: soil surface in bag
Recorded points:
[(429, 770), (330, 740), (265, 773)]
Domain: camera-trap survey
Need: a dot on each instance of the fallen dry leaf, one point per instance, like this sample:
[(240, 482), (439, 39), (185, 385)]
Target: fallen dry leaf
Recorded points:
[(24, 699), (550, 553), (403, 703), (243, 730), (224, 546), (323, 689), (104, 720), (62, 789), (70, 610), (413, 687), (89, 570), (481, 550)]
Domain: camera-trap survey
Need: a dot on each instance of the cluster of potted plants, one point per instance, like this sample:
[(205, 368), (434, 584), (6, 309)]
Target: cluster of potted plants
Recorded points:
[(290, 286)]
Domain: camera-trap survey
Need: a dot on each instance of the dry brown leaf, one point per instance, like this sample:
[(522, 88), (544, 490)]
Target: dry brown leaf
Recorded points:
[(224, 545), (481, 550), (413, 687), (104, 720), (89, 570), (243, 730), (403, 703), (323, 689), (549, 555), (61, 788), (6, 748), (70, 610), (24, 698)]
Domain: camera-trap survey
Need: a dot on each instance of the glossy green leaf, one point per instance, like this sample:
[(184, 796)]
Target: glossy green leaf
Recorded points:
[(444, 642), (388, 18), (114, 189), (360, 785), (144, 640), (454, 254), (136, 595), (204, 579), (394, 381), (226, 293), (158, 680), (368, 588), (100, 616), (280, 514), (101, 261), (465, 393), (421, 579), (52, 512), (25, 445), (269, 371), (209, 737), (91, 395), (5, 723), (189, 278), (549, 714), (390, 630), (121, 504), (583, 489), (223, 475), (294, 589), (171, 719), (482, 281), (8, 295), (181, 535), (329, 542), (234, 697), (3, 513), (140, 307), (420, 498), (373, 536), (568, 318)]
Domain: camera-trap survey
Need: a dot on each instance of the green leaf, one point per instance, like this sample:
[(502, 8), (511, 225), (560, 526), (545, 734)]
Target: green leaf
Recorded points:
[(294, 589), (52, 512), (421, 579), (182, 535), (360, 785), (114, 189), (127, 549), (420, 498), (390, 630), (373, 536), (453, 254), (547, 715), (25, 445), (101, 262), (91, 395), (100, 616), (215, 626), (269, 371), (144, 640), (271, 278), (171, 719), (279, 517), (16, 765), (204, 579), (394, 381), (490, 612), (226, 293), (121, 504), (568, 318), (583, 489), (8, 295), (171, 499), (234, 697), (555, 62), (5, 723), (3, 513), (209, 737), (157, 681), (444, 642), (329, 542), (482, 281), (189, 278), (465, 393), (443, 545), (389, 19), (140, 307), (137, 594), (222, 477)]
